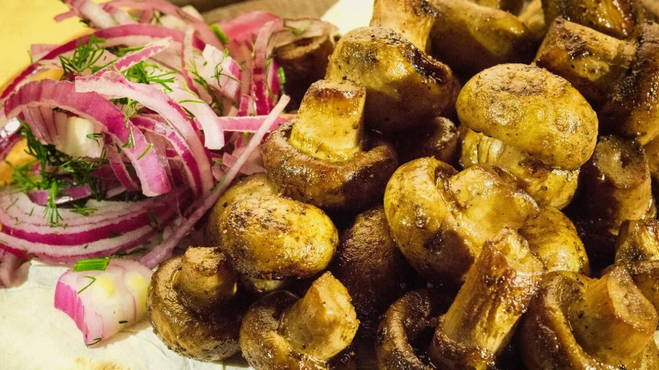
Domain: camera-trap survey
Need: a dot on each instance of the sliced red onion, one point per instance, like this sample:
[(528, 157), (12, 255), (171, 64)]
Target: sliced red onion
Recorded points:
[(145, 53), (94, 12), (119, 16), (182, 225), (204, 32), (250, 167), (40, 197), (93, 107), (38, 51), (221, 72), (119, 168), (251, 123), (262, 50), (113, 84), (209, 121), (128, 35), (103, 302), (13, 269), (245, 26)]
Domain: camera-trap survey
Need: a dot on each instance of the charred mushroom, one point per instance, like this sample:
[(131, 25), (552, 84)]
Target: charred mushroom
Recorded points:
[(470, 37), (305, 61), (592, 61), (272, 237), (323, 157), (534, 19), (496, 292), (617, 18), (192, 307), (511, 6), (550, 127), (575, 322), (413, 19), (404, 87), (281, 331), (406, 329), (371, 267), (553, 239), (638, 241), (440, 218)]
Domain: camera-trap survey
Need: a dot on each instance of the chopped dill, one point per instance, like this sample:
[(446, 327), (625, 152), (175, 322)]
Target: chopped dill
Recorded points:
[(144, 72), (93, 280), (219, 33), (85, 56)]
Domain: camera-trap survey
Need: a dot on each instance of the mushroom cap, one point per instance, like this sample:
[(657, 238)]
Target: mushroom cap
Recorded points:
[(273, 237), (208, 336), (533, 110), (349, 185)]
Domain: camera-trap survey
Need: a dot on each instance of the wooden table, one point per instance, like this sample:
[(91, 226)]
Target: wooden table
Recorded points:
[(283, 8)]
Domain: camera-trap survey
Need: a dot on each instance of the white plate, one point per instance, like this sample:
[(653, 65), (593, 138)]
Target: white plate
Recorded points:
[(34, 335)]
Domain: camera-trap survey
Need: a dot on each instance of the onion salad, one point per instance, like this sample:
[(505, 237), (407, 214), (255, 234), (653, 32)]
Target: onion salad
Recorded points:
[(133, 132)]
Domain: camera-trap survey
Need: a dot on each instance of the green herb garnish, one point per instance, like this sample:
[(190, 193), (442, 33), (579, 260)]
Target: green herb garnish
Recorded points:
[(224, 39), (94, 341), (84, 57), (144, 72), (93, 280), (91, 264)]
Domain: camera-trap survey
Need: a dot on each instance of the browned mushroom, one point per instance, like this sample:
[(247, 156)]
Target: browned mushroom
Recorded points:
[(281, 331), (323, 157), (531, 123), (413, 19), (575, 322), (371, 267), (440, 218), (404, 87), (496, 292), (617, 18), (438, 138), (192, 307)]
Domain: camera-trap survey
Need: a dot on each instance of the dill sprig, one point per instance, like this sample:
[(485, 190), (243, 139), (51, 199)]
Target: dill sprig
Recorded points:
[(144, 72), (56, 171), (85, 56)]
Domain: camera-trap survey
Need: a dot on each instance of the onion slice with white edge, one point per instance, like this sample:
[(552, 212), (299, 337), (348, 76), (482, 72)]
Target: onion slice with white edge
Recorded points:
[(103, 302)]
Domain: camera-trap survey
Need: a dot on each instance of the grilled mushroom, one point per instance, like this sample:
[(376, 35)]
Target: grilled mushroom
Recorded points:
[(413, 19), (638, 240), (273, 237), (440, 218), (371, 267), (438, 138), (575, 322), (592, 61), (192, 307), (281, 331), (617, 18), (404, 87), (496, 292), (549, 126), (470, 37), (323, 157), (554, 240)]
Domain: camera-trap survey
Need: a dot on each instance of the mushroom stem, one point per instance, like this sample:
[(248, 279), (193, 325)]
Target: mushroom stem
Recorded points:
[(323, 322), (329, 123), (411, 18), (497, 289), (205, 279), (613, 321), (590, 60), (638, 240)]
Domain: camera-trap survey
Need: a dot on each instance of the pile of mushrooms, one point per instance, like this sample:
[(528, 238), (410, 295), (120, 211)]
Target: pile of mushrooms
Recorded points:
[(443, 199)]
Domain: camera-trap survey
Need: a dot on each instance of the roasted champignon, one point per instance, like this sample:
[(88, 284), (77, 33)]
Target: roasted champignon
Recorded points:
[(250, 186), (592, 61), (404, 87), (549, 125), (406, 330), (324, 157), (549, 186), (305, 61), (617, 18), (440, 218), (617, 184), (646, 278), (553, 239), (438, 138), (638, 240), (470, 37), (652, 154), (413, 19), (273, 237), (651, 9), (577, 323), (192, 307), (633, 107), (281, 331), (496, 292), (371, 267), (511, 6)]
